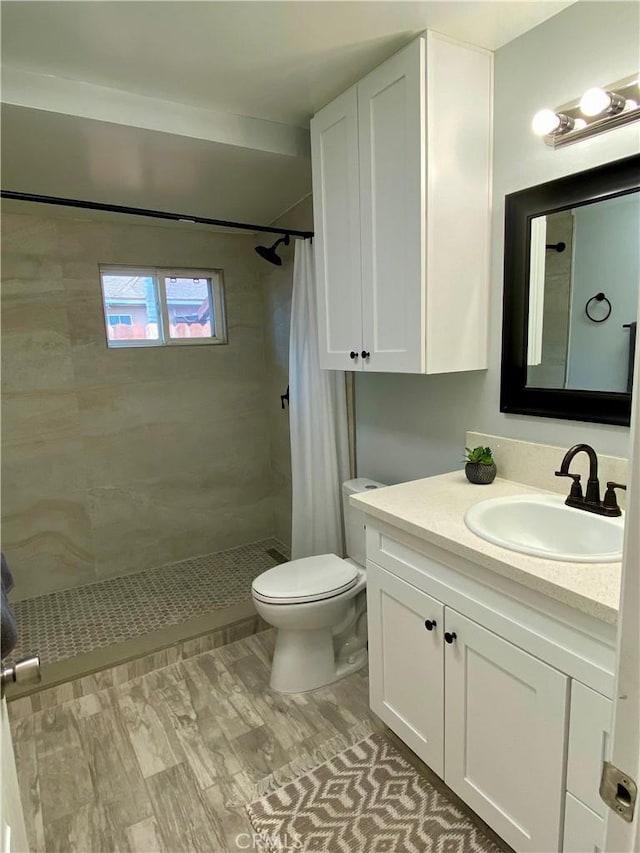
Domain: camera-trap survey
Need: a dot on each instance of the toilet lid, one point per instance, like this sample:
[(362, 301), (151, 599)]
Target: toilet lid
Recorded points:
[(308, 579)]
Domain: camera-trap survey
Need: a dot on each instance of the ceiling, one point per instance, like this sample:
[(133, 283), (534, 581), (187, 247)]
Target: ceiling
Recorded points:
[(280, 61), (196, 107)]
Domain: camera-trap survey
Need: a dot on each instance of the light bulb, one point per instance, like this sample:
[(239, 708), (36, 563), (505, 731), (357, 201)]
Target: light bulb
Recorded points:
[(579, 123), (630, 104), (595, 101), (545, 122)]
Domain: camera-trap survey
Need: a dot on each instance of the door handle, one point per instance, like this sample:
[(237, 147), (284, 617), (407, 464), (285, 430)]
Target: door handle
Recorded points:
[(365, 354), (449, 637), (353, 354), (430, 624)]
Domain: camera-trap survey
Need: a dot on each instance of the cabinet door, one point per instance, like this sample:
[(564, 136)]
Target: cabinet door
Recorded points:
[(334, 154), (589, 727), (505, 714), (405, 663), (583, 829), (458, 191), (391, 121)]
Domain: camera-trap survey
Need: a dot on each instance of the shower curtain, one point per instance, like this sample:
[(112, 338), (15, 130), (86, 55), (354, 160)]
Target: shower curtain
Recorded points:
[(318, 421)]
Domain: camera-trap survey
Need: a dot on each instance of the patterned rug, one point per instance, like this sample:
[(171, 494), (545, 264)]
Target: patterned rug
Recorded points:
[(367, 799)]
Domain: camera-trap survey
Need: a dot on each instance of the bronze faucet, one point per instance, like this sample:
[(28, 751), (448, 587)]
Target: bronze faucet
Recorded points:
[(591, 501)]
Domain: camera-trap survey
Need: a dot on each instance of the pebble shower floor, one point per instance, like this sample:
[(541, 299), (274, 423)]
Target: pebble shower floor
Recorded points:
[(76, 621)]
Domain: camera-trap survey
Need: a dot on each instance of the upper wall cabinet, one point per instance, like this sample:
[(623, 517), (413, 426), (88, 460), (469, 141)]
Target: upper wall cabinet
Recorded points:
[(401, 189)]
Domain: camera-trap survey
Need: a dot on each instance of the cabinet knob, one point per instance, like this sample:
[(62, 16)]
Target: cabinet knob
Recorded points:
[(353, 354), (365, 354), (449, 637), (430, 624)]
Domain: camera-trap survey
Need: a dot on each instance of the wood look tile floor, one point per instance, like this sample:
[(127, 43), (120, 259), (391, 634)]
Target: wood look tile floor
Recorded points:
[(165, 762)]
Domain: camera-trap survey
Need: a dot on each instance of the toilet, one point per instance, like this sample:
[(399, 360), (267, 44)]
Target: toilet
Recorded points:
[(318, 606)]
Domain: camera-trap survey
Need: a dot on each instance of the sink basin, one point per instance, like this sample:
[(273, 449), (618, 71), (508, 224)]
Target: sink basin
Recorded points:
[(542, 525)]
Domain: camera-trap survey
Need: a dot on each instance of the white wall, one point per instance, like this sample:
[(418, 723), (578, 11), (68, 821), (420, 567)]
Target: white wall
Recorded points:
[(413, 426)]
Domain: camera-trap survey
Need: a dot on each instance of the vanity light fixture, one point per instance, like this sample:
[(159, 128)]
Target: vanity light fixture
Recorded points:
[(599, 109)]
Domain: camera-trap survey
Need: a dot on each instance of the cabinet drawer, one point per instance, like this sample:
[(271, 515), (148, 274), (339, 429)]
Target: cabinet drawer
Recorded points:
[(589, 728), (583, 829)]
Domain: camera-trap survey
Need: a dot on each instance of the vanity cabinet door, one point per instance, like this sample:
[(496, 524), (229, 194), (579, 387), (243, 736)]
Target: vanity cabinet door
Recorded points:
[(405, 663), (589, 728), (336, 201), (505, 714), (583, 829)]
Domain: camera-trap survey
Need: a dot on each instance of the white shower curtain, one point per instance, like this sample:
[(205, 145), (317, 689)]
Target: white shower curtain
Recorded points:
[(318, 420)]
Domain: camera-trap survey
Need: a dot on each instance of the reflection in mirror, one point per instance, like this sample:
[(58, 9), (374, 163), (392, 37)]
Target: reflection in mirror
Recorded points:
[(575, 340)]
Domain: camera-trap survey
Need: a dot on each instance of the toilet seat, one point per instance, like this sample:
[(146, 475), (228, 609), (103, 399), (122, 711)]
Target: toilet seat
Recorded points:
[(305, 580)]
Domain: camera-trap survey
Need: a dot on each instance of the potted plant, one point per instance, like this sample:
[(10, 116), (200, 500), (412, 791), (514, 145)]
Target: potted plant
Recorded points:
[(480, 467)]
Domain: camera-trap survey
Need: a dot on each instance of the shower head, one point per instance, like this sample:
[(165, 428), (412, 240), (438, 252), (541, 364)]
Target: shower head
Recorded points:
[(269, 252)]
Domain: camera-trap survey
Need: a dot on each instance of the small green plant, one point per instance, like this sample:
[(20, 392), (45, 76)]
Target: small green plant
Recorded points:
[(483, 455)]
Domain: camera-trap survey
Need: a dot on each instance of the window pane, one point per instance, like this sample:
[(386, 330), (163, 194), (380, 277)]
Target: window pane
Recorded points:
[(131, 307), (190, 307)]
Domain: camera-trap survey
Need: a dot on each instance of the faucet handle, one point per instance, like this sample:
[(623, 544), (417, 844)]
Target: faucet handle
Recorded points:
[(576, 488), (610, 501)]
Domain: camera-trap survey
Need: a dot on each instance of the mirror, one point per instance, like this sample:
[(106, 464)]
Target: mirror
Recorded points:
[(572, 277)]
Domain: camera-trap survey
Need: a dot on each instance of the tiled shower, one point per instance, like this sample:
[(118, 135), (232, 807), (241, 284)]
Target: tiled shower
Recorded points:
[(141, 488)]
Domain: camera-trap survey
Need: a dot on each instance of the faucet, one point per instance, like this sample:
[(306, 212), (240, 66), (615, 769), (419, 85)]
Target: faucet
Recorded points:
[(590, 502)]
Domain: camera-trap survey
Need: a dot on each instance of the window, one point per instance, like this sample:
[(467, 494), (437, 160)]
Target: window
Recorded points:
[(160, 307), (120, 319)]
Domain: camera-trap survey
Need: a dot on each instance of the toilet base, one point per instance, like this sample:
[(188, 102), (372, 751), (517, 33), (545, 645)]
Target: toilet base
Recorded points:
[(305, 660)]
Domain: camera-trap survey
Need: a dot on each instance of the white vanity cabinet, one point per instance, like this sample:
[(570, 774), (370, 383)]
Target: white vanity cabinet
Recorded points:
[(591, 715), (500, 692), (484, 715), (401, 187)]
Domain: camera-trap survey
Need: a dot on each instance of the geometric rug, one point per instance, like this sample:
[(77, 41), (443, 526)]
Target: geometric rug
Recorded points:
[(368, 799)]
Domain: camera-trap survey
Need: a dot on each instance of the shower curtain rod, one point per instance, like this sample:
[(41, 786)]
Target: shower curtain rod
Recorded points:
[(154, 214)]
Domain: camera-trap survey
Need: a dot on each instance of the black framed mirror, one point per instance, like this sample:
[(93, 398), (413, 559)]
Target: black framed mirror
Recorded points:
[(571, 282)]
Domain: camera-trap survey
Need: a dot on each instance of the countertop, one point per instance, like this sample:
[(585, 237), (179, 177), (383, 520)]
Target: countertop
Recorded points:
[(433, 509)]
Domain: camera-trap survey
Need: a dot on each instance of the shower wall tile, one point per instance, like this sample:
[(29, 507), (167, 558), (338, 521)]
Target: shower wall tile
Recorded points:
[(120, 460), (49, 415), (29, 236), (243, 357), (277, 294), (46, 529), (142, 526), (282, 506), (118, 407), (35, 342), (19, 272)]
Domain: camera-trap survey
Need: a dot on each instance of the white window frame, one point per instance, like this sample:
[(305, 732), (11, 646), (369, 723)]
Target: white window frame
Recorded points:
[(159, 274)]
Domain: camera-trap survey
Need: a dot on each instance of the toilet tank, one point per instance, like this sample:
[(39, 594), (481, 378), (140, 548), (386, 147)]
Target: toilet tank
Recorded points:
[(354, 518)]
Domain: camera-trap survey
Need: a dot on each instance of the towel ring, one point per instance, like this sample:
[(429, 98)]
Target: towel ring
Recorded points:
[(599, 297)]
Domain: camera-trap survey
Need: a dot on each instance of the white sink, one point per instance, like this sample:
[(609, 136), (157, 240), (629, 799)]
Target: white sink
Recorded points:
[(542, 525)]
